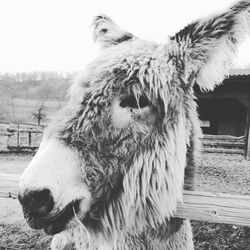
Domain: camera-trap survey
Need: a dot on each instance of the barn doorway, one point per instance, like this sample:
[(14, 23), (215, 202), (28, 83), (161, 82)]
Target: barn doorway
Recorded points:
[(222, 116)]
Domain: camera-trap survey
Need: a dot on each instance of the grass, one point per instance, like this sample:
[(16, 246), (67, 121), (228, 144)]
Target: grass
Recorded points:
[(20, 236), (217, 173)]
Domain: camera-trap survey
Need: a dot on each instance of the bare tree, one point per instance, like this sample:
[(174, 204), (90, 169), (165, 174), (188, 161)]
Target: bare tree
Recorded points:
[(40, 114)]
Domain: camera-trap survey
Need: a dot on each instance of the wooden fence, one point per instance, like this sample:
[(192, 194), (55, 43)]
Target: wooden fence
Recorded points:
[(19, 145), (20, 138), (215, 207), (224, 144), (201, 206)]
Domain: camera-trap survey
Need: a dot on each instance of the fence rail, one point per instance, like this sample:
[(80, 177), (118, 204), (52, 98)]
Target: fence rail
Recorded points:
[(201, 206), (224, 144), (13, 130), (215, 207), (224, 137)]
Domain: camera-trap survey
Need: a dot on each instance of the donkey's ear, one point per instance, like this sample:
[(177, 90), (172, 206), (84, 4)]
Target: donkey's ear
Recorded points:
[(208, 46), (107, 33)]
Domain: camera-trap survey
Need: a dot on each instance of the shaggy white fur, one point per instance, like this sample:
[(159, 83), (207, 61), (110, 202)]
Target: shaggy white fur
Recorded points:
[(126, 144)]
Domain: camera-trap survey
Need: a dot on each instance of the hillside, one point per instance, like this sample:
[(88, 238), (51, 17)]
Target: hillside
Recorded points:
[(23, 94)]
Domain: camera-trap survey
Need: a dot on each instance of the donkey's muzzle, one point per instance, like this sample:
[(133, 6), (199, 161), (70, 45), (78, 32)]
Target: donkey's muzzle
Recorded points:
[(37, 203)]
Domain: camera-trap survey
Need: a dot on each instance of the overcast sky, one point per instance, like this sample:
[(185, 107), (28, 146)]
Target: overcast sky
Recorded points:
[(56, 34)]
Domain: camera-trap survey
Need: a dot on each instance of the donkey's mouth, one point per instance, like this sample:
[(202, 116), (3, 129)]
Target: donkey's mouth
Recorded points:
[(57, 222), (54, 223)]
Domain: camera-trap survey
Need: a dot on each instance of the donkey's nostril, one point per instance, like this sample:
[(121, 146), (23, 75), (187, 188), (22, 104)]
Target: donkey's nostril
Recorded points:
[(39, 202)]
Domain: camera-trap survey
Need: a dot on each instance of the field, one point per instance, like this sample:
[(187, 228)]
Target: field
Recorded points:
[(21, 110), (217, 173)]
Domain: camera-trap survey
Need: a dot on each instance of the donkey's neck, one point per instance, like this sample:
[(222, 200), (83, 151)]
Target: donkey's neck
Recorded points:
[(175, 234)]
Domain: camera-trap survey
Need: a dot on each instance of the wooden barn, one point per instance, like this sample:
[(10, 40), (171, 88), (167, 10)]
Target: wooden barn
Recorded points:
[(226, 110)]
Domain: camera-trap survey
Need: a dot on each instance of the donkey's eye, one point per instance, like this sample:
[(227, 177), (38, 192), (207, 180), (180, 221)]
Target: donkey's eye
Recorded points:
[(132, 102)]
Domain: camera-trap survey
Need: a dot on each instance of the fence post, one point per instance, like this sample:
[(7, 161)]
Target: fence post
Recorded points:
[(18, 136), (248, 135), (29, 138), (8, 140)]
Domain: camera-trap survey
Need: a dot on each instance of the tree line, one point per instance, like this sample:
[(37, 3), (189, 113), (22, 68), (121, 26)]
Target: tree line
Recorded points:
[(41, 85)]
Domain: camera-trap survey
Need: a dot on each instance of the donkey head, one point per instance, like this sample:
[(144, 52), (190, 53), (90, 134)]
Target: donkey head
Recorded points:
[(116, 154)]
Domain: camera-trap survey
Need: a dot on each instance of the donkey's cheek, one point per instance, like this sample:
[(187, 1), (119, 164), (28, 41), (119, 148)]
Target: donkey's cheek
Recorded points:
[(120, 116)]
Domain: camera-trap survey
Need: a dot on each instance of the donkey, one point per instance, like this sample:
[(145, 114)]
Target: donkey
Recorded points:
[(115, 160)]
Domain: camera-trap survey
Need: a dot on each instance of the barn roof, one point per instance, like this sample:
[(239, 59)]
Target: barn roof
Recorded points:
[(240, 72)]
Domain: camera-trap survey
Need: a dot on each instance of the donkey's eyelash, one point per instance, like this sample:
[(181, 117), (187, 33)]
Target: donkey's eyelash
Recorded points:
[(134, 103)]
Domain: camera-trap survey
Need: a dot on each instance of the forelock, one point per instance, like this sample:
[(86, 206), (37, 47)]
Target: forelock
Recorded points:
[(141, 63)]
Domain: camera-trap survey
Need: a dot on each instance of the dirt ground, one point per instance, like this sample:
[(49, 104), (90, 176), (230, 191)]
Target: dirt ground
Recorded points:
[(11, 165), (10, 211), (217, 173)]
